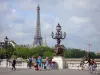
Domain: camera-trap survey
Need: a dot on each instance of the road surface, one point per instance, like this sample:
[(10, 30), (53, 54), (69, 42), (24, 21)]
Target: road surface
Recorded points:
[(8, 71)]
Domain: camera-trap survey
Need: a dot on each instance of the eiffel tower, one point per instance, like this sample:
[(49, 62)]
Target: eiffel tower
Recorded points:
[(38, 39)]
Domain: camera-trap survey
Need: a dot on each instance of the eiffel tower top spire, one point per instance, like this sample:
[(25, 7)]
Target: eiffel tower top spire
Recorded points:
[(38, 38), (38, 7)]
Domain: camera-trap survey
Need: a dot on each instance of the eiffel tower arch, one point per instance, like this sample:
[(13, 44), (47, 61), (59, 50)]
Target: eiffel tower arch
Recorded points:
[(38, 38)]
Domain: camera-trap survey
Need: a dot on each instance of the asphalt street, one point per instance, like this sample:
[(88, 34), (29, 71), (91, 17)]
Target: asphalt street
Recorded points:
[(8, 71)]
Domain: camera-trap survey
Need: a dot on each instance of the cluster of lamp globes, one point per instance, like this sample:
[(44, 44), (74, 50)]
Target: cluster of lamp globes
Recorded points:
[(59, 34)]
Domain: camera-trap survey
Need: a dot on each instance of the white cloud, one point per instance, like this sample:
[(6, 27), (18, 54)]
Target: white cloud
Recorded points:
[(26, 4), (71, 4), (13, 10), (79, 20), (3, 6), (19, 34), (47, 26), (79, 3), (13, 15)]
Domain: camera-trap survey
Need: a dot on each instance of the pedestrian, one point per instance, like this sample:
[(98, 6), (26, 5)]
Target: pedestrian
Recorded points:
[(30, 63), (51, 63), (47, 63), (36, 65), (94, 64), (27, 60), (13, 64), (33, 60), (39, 62)]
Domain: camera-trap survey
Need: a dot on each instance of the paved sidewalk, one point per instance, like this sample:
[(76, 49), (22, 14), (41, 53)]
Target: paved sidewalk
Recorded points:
[(8, 71)]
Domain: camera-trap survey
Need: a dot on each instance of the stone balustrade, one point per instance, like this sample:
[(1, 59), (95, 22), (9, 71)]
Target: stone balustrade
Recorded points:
[(19, 64), (74, 65), (70, 64)]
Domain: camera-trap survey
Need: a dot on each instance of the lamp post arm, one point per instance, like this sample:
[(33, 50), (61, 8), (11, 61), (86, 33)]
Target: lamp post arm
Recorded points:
[(54, 37), (64, 36)]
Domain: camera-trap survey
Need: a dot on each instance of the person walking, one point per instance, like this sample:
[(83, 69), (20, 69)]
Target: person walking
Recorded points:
[(94, 64), (34, 60), (13, 64), (47, 63), (30, 63), (39, 62), (27, 60), (51, 63), (36, 65)]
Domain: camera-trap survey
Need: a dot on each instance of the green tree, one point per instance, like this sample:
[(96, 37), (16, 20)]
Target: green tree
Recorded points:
[(39, 50), (13, 56), (22, 52), (10, 50), (67, 54), (74, 53), (2, 53), (48, 54), (98, 56), (93, 55)]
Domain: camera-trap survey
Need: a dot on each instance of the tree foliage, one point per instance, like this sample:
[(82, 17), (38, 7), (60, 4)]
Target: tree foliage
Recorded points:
[(10, 51), (36, 51), (2, 53), (6, 53), (24, 52), (74, 53)]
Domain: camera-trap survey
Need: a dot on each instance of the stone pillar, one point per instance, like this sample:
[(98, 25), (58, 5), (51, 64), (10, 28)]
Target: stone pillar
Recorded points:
[(61, 63), (4, 63)]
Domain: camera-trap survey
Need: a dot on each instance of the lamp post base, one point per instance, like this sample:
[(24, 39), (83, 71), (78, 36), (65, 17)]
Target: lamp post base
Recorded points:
[(4, 63), (60, 61), (59, 50)]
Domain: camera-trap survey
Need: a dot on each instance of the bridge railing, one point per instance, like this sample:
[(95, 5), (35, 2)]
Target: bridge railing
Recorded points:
[(76, 65), (23, 64)]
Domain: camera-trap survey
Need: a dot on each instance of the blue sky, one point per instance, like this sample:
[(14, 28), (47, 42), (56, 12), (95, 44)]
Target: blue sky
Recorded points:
[(78, 18)]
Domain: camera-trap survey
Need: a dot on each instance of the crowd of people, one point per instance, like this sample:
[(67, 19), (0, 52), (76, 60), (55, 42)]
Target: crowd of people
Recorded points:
[(37, 63)]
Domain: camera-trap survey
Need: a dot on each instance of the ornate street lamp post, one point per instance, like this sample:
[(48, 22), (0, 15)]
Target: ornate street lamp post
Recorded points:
[(59, 35), (88, 54), (6, 45)]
